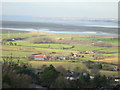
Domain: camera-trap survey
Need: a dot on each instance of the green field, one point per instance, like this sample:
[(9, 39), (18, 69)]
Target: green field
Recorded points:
[(105, 48)]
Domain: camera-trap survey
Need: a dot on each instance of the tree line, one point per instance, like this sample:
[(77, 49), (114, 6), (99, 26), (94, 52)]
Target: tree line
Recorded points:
[(21, 75)]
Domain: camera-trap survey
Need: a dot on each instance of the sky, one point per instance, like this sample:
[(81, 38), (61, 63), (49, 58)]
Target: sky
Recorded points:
[(81, 9), (59, 0)]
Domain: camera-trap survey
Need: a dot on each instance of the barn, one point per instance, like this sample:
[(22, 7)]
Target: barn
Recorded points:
[(38, 57)]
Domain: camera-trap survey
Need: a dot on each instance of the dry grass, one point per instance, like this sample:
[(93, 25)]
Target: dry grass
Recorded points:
[(113, 60)]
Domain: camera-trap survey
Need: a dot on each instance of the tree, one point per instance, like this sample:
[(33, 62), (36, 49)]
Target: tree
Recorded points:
[(12, 79), (17, 75), (61, 69), (103, 80), (10, 43), (96, 80), (117, 87), (100, 81), (60, 82), (100, 66), (72, 46), (83, 81), (15, 44), (48, 76)]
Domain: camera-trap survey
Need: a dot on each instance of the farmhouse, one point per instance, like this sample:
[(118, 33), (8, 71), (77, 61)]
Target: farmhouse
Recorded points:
[(86, 52), (63, 58), (80, 55), (75, 76), (14, 39), (51, 57), (38, 57), (117, 80), (71, 76), (77, 55), (117, 68), (91, 77), (74, 54), (89, 52)]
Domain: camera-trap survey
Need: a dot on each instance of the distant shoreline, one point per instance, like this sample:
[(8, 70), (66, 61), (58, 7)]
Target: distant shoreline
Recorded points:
[(46, 30), (20, 31)]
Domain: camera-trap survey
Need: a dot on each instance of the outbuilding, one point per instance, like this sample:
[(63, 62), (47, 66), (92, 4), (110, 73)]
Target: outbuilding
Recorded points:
[(38, 57)]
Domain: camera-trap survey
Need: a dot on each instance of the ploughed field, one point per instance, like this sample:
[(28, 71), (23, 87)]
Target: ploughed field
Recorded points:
[(81, 52)]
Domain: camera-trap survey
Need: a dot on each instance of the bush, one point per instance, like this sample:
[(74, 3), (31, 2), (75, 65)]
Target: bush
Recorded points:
[(17, 75), (42, 40)]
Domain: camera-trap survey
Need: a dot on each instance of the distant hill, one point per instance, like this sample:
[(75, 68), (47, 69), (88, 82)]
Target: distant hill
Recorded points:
[(18, 18), (38, 19)]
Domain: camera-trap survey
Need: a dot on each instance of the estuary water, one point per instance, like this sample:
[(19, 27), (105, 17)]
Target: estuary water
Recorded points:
[(62, 32), (50, 26)]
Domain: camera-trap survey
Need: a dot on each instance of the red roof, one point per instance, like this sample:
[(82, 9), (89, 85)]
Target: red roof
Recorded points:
[(40, 56)]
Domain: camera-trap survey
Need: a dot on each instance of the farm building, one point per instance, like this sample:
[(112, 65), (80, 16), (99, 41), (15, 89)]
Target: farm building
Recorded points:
[(86, 52), (38, 57), (89, 52), (51, 57), (63, 58), (117, 80), (77, 55), (14, 39), (71, 76), (74, 54), (117, 68), (91, 77), (80, 55)]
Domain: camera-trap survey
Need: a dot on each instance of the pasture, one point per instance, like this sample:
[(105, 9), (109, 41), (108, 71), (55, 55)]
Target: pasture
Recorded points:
[(105, 48)]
